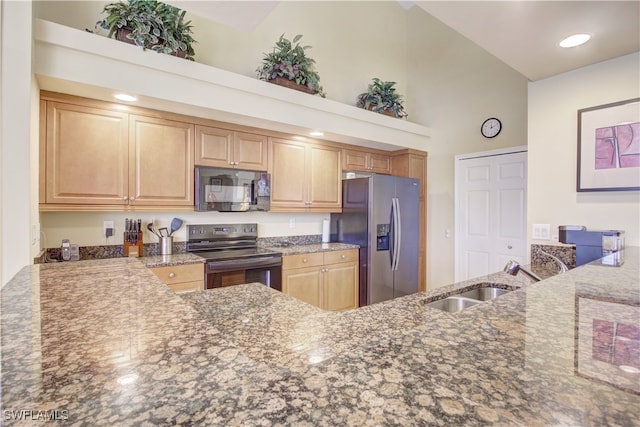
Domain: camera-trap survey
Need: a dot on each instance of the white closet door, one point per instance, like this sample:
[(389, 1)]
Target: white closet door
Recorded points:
[(491, 212)]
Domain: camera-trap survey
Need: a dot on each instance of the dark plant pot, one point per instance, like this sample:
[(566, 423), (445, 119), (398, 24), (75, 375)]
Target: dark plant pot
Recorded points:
[(386, 112), (122, 33), (281, 81)]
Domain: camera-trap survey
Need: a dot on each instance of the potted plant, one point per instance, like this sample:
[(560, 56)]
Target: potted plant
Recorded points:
[(381, 97), (150, 24), (287, 64)]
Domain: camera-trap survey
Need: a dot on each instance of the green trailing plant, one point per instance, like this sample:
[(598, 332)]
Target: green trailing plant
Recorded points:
[(381, 97), (289, 60), (152, 25)]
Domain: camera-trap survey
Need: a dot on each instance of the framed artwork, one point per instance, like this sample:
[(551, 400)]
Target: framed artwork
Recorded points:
[(607, 341), (609, 147)]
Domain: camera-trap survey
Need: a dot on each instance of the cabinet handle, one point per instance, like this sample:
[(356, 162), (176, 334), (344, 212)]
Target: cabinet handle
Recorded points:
[(509, 247), (125, 198), (132, 199), (172, 275), (343, 256), (304, 260)]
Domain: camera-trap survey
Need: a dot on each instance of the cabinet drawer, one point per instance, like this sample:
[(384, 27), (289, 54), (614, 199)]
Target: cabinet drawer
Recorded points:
[(180, 273), (336, 257), (301, 260), (178, 288)]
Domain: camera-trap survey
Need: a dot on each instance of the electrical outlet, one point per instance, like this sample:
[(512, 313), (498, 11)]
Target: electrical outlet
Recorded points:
[(108, 228), (541, 231), (292, 223)]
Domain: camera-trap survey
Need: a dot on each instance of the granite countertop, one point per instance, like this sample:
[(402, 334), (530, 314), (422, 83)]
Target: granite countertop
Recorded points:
[(106, 343), (310, 248), (171, 260)]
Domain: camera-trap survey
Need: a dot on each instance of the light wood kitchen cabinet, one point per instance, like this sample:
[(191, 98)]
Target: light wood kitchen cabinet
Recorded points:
[(161, 165), (102, 159), (413, 164), (328, 280), (364, 161), (305, 177), (182, 278), (225, 148), (87, 155)]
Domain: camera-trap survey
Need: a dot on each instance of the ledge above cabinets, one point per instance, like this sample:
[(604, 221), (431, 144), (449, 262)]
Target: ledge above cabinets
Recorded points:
[(62, 55)]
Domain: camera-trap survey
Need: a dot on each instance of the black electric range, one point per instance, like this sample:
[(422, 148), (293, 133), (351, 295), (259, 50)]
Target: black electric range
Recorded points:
[(232, 255)]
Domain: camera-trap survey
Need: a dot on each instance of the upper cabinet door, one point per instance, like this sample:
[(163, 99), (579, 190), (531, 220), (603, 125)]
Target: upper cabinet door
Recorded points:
[(287, 161), (380, 163), (86, 155), (304, 177), (225, 148), (161, 162), (355, 160), (325, 178), (250, 151), (214, 147)]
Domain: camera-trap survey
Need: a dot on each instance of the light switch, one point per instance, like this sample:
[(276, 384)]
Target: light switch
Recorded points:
[(541, 232)]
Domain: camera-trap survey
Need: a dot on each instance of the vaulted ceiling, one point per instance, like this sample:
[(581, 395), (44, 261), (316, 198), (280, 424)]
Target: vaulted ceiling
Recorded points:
[(523, 34)]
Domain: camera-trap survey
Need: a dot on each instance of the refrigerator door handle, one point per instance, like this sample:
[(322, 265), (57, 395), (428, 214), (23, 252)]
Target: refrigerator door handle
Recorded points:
[(397, 233), (392, 235)]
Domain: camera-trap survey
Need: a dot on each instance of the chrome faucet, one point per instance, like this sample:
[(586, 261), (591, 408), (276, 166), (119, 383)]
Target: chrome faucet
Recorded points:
[(513, 267), (562, 265)]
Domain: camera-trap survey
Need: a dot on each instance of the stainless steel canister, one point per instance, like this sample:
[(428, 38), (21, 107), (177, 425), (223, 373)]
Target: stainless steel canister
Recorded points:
[(166, 245)]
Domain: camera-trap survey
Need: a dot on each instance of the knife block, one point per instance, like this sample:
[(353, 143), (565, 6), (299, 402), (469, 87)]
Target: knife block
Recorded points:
[(133, 249)]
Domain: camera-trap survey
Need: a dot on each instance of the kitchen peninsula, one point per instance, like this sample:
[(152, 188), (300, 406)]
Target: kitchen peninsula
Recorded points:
[(105, 342)]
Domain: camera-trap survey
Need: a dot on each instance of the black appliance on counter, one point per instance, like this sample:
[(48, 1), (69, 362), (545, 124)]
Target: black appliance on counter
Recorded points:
[(233, 256), (590, 244)]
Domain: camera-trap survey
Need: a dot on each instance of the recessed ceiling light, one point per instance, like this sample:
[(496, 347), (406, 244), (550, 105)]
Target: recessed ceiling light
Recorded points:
[(316, 133), (125, 97), (575, 40)]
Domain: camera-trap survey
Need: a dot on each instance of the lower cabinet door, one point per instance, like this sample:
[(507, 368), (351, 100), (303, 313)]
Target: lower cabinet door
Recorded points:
[(304, 284), (341, 287)]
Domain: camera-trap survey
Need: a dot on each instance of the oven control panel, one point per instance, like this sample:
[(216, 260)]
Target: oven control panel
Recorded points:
[(196, 232)]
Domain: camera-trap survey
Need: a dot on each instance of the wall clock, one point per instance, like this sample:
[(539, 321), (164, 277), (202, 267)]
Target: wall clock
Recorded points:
[(491, 127)]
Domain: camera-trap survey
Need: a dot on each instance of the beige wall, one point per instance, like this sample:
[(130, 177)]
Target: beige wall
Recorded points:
[(454, 87), (15, 174), (347, 55), (553, 106), (86, 228), (449, 83)]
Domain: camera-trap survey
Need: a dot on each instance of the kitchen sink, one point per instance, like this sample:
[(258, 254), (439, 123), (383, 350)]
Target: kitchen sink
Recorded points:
[(452, 304), (459, 302), (484, 294)]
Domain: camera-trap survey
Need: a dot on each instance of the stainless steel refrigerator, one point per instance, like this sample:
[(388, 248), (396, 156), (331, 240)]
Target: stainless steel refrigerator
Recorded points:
[(380, 213)]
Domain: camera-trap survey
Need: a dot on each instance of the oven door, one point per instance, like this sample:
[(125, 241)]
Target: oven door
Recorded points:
[(266, 270)]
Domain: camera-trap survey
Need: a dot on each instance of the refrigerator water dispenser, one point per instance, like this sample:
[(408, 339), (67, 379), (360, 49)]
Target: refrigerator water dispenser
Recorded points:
[(382, 237)]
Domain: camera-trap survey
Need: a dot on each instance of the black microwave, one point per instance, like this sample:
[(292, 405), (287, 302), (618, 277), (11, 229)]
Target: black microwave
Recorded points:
[(231, 190)]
